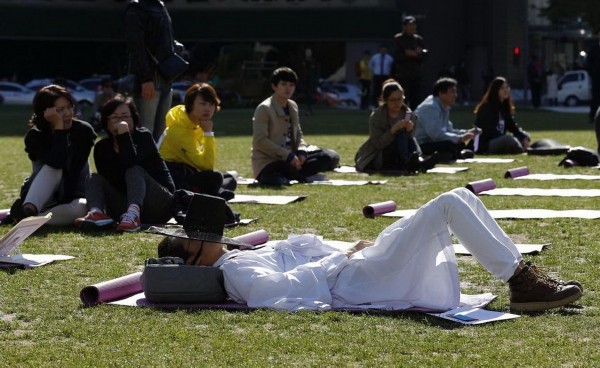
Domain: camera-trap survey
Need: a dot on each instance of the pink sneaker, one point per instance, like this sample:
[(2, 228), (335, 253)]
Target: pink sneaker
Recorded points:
[(129, 223), (94, 220)]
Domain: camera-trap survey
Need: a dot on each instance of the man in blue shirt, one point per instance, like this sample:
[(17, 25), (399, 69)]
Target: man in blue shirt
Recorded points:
[(435, 131), (381, 66)]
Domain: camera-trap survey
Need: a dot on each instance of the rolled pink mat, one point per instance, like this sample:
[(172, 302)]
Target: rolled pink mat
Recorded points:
[(111, 290), (372, 210), (481, 185), (254, 238), (516, 172)]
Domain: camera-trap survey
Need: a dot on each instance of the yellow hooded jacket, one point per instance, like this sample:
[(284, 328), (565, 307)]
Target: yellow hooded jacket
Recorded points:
[(185, 142)]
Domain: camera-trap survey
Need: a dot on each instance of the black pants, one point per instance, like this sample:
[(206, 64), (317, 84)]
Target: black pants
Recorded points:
[(323, 160), (412, 91), (377, 84), (365, 93), (188, 178), (447, 150)]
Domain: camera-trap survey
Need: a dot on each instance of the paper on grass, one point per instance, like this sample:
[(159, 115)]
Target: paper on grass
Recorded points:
[(485, 160), (522, 248), (558, 177), (9, 244), (447, 170), (474, 316), (523, 213), (529, 192), (266, 199), (345, 169)]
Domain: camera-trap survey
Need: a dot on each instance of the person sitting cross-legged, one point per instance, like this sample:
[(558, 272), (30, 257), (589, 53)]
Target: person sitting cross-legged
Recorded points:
[(279, 152), (133, 183), (410, 264)]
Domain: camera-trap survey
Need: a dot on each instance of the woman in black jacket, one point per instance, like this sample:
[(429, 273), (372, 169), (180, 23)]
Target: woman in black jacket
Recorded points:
[(58, 146), (133, 182), (494, 116)]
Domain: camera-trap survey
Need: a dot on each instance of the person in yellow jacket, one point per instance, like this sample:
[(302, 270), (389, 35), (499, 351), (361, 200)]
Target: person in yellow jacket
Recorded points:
[(188, 144)]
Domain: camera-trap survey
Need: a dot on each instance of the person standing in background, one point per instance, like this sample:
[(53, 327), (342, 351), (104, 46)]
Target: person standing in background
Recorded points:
[(409, 56), (365, 75), (381, 68), (593, 68), (149, 36), (535, 73), (310, 77)]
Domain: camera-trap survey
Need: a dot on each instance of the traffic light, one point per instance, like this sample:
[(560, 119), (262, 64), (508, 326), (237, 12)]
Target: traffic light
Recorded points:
[(516, 55)]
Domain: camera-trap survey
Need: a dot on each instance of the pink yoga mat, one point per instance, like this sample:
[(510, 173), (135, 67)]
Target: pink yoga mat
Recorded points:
[(4, 213), (516, 172), (254, 238), (375, 209), (111, 290), (481, 185)]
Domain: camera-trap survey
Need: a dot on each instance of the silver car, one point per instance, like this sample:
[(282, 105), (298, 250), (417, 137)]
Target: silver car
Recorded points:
[(16, 94)]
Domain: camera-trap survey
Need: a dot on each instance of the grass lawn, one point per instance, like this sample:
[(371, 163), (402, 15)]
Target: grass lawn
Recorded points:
[(43, 323)]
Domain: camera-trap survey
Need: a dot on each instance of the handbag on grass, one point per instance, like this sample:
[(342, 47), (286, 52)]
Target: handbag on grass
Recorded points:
[(169, 280)]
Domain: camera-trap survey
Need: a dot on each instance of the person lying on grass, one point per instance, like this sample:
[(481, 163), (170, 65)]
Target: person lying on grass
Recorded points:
[(410, 264)]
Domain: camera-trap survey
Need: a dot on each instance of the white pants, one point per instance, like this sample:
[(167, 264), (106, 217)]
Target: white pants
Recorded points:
[(412, 263), (41, 195)]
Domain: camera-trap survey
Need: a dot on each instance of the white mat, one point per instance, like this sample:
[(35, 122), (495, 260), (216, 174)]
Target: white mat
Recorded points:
[(265, 199), (529, 192), (447, 170), (558, 177), (485, 160), (525, 213)]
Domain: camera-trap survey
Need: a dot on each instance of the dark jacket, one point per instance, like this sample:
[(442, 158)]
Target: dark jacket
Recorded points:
[(68, 150), (137, 148), (370, 153), (488, 119), (149, 34), (407, 67)]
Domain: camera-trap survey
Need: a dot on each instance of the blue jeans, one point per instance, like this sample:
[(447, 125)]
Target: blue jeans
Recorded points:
[(153, 111)]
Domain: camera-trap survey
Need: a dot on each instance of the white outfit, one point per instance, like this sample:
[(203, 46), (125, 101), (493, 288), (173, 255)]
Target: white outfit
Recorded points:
[(412, 263)]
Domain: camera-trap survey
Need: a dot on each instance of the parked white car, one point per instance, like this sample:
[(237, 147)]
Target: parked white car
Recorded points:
[(574, 87), (339, 94), (16, 94), (82, 95)]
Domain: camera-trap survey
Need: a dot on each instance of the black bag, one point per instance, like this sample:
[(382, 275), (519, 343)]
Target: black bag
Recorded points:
[(168, 280), (172, 67), (580, 156), (181, 201)]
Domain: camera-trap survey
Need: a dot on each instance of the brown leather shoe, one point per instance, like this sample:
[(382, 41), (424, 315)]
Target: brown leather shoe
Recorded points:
[(531, 290)]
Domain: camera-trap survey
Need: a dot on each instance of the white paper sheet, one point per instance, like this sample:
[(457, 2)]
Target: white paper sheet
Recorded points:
[(447, 170), (524, 213), (468, 315), (345, 169), (265, 199), (35, 260), (529, 192), (558, 177), (523, 248), (485, 160)]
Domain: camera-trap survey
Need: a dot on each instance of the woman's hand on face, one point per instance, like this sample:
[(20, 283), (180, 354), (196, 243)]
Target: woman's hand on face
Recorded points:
[(206, 125), (120, 128), (55, 119)]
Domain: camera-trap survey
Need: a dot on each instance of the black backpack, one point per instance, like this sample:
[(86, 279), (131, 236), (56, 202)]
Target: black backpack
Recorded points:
[(580, 156)]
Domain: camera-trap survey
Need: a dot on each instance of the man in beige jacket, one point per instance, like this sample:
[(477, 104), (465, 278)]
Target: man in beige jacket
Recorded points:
[(279, 152)]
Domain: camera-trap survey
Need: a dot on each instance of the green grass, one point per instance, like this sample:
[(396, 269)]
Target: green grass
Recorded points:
[(43, 323)]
